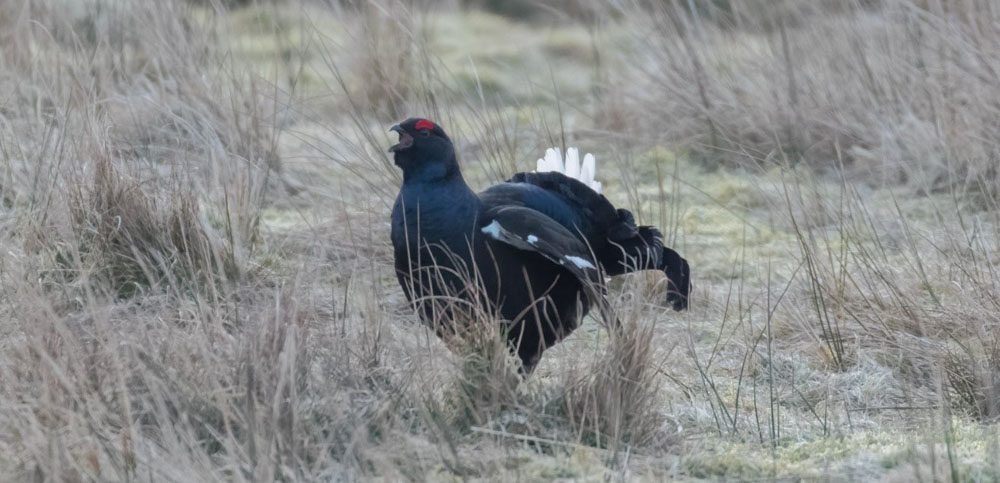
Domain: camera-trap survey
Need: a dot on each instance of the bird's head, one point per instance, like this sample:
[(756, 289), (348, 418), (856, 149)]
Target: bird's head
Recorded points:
[(423, 147)]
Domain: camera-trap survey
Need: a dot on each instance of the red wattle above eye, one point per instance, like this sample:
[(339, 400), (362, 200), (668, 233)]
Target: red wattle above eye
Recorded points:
[(423, 124)]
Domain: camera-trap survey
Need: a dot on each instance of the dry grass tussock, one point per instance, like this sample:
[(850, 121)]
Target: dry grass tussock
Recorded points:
[(195, 276)]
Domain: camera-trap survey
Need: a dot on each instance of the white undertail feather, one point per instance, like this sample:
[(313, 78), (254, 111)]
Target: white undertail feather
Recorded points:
[(553, 161), (572, 163)]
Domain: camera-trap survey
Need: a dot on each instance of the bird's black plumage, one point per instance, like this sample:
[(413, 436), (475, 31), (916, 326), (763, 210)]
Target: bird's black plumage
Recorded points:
[(533, 251)]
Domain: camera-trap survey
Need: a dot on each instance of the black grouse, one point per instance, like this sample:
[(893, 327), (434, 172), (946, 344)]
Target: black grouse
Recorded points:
[(532, 251)]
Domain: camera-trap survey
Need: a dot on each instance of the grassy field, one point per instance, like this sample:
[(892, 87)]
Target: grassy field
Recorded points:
[(196, 278)]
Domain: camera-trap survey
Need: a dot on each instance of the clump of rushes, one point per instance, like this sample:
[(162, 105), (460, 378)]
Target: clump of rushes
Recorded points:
[(128, 240), (613, 402)]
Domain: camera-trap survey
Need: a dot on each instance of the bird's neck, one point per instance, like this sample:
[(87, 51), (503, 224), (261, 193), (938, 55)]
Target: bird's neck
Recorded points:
[(442, 206), (442, 177), (439, 169), (450, 190)]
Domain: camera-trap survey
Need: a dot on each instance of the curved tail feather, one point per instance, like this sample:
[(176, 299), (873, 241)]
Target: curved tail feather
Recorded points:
[(679, 273), (645, 251)]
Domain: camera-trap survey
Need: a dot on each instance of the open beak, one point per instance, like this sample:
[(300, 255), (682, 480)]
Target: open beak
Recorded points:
[(405, 140)]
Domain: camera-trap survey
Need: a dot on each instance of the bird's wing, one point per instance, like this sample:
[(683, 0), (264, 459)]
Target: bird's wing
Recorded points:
[(600, 215), (527, 229)]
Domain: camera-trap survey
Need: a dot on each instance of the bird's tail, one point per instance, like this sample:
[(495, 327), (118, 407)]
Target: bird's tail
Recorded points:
[(645, 251), (671, 263), (679, 274), (571, 166)]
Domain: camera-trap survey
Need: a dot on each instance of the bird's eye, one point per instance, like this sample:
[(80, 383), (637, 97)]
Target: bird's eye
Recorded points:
[(425, 132)]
